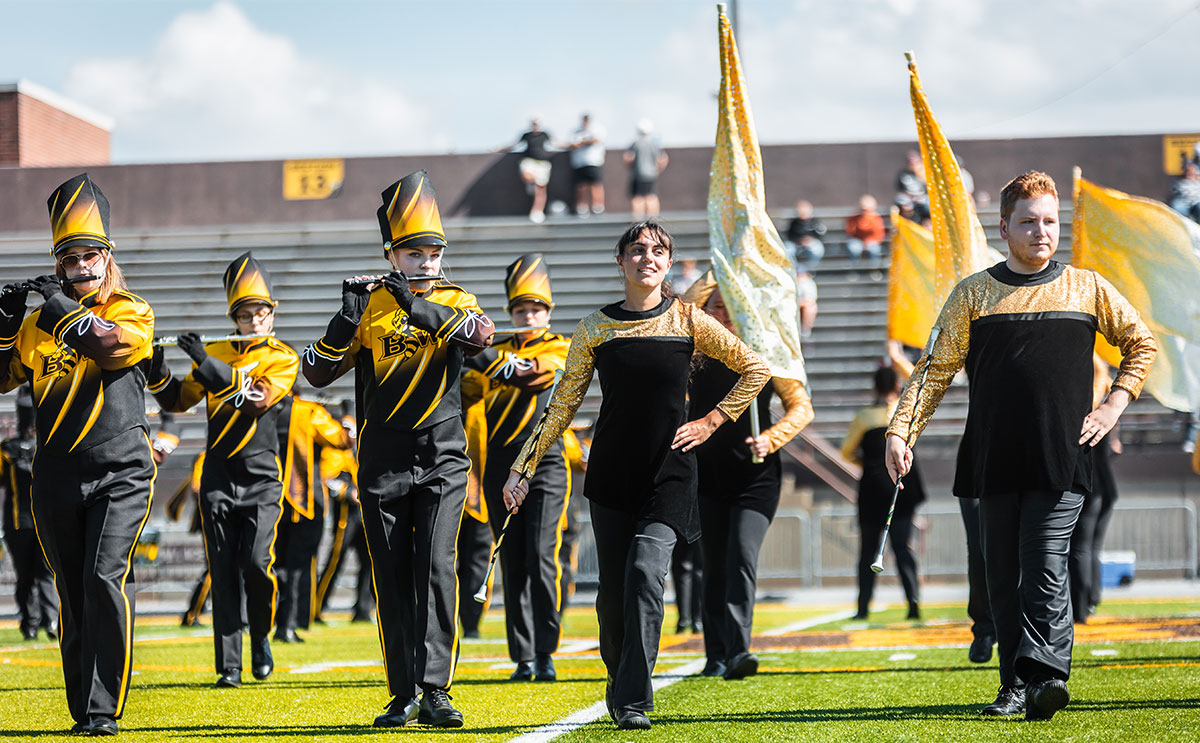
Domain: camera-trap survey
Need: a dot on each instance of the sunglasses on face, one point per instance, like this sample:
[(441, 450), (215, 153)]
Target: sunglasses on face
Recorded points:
[(77, 259), (247, 316)]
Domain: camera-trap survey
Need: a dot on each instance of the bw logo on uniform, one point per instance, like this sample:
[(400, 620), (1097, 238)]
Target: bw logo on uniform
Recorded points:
[(60, 363), (403, 344)]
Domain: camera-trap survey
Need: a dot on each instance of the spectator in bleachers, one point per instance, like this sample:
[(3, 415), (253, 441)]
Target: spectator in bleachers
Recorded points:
[(1185, 193), (910, 182), (685, 273), (647, 159), (587, 165), (804, 235), (534, 167), (865, 231)]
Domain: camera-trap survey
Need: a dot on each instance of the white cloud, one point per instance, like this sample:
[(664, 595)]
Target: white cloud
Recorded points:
[(216, 86)]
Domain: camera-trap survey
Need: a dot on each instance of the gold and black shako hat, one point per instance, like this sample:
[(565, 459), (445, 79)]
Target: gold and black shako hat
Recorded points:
[(247, 280), (409, 215), (78, 215), (528, 277)]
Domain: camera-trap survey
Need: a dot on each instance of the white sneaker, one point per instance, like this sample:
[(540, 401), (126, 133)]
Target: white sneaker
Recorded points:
[(537, 217)]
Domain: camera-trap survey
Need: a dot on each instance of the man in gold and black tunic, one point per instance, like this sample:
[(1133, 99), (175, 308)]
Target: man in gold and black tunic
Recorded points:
[(1025, 329), (241, 487), (406, 334)]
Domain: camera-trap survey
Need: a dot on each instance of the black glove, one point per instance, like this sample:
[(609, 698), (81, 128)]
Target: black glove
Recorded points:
[(12, 300), (220, 509), (158, 367), (191, 344), (47, 286), (397, 285), (354, 300)]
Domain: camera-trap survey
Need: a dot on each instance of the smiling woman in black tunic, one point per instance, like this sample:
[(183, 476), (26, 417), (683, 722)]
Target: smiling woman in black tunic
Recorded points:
[(641, 480)]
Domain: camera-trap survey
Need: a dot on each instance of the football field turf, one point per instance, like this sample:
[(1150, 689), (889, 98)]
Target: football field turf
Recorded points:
[(1136, 677)]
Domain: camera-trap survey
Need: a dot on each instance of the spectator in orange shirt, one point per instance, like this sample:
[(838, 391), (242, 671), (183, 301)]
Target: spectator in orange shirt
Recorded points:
[(865, 231)]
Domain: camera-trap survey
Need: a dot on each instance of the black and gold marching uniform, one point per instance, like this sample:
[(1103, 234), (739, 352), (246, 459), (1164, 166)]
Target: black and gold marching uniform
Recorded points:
[(412, 459), (1027, 342), (189, 491), (241, 487), (37, 602), (309, 430), (475, 533), (642, 492), (514, 379), (86, 362), (340, 470)]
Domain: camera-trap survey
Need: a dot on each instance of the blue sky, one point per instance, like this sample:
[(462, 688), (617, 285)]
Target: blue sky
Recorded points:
[(244, 79)]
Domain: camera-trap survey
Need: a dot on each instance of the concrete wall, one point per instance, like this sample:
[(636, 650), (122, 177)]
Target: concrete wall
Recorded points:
[(172, 195)]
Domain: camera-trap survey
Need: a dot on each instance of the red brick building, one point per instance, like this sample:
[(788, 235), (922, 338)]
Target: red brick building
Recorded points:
[(40, 128)]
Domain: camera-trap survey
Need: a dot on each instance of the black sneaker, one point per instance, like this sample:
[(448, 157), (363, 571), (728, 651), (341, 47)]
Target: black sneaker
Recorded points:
[(543, 668), (524, 672), (436, 710), (981, 649), (713, 668), (399, 712), (632, 719), (1010, 701), (741, 666), (102, 725), (1045, 698)]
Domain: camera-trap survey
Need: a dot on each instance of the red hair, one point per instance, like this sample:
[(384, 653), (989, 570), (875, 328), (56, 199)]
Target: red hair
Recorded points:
[(1028, 185)]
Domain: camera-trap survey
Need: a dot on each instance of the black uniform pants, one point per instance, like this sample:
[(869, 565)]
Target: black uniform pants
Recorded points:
[(296, 549), (687, 576), (1084, 563), (413, 487), (241, 557), (634, 556), (732, 538), (979, 607), (899, 536), (1026, 541), (530, 568), (348, 537), (90, 508), (474, 550), (37, 601)]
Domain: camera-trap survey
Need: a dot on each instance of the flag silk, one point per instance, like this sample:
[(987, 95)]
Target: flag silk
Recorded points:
[(962, 247), (912, 294), (752, 268), (1151, 255)]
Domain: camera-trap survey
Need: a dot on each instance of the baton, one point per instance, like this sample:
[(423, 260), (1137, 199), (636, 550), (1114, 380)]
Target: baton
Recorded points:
[(481, 594), (173, 340), (877, 566)]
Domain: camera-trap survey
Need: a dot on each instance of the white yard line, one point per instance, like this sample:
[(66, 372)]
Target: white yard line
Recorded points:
[(578, 719), (330, 665), (811, 622)]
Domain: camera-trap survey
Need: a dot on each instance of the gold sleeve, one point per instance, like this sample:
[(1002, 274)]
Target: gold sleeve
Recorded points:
[(854, 435), (713, 340), (1196, 456), (565, 401), (798, 412), (949, 355), (1121, 324)]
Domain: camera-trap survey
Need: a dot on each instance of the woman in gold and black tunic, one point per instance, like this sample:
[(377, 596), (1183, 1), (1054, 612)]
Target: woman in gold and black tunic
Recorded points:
[(642, 471)]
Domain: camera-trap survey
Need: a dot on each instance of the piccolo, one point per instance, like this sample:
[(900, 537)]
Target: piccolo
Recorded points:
[(377, 279), (23, 286), (173, 340)]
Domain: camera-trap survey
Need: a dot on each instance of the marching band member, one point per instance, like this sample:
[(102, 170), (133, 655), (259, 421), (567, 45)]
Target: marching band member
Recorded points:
[(86, 355), (738, 497), (475, 533), (340, 470), (241, 382), (642, 471), (407, 344), (514, 378)]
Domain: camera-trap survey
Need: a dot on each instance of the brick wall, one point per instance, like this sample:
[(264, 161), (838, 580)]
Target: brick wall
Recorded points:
[(49, 136), (9, 148)]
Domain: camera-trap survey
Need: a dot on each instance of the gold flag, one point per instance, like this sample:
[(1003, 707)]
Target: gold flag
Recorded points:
[(912, 293), (749, 261), (1151, 255), (962, 248)]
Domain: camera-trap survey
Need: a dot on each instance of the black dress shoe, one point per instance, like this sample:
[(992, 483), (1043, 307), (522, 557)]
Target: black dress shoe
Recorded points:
[(741, 666), (261, 662), (436, 710), (399, 713), (288, 635), (543, 668), (632, 719), (914, 610), (363, 617), (471, 634), (1010, 701), (79, 728), (524, 672), (231, 678), (713, 668), (102, 725), (1044, 698), (51, 630), (29, 633), (860, 614), (981, 649)]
